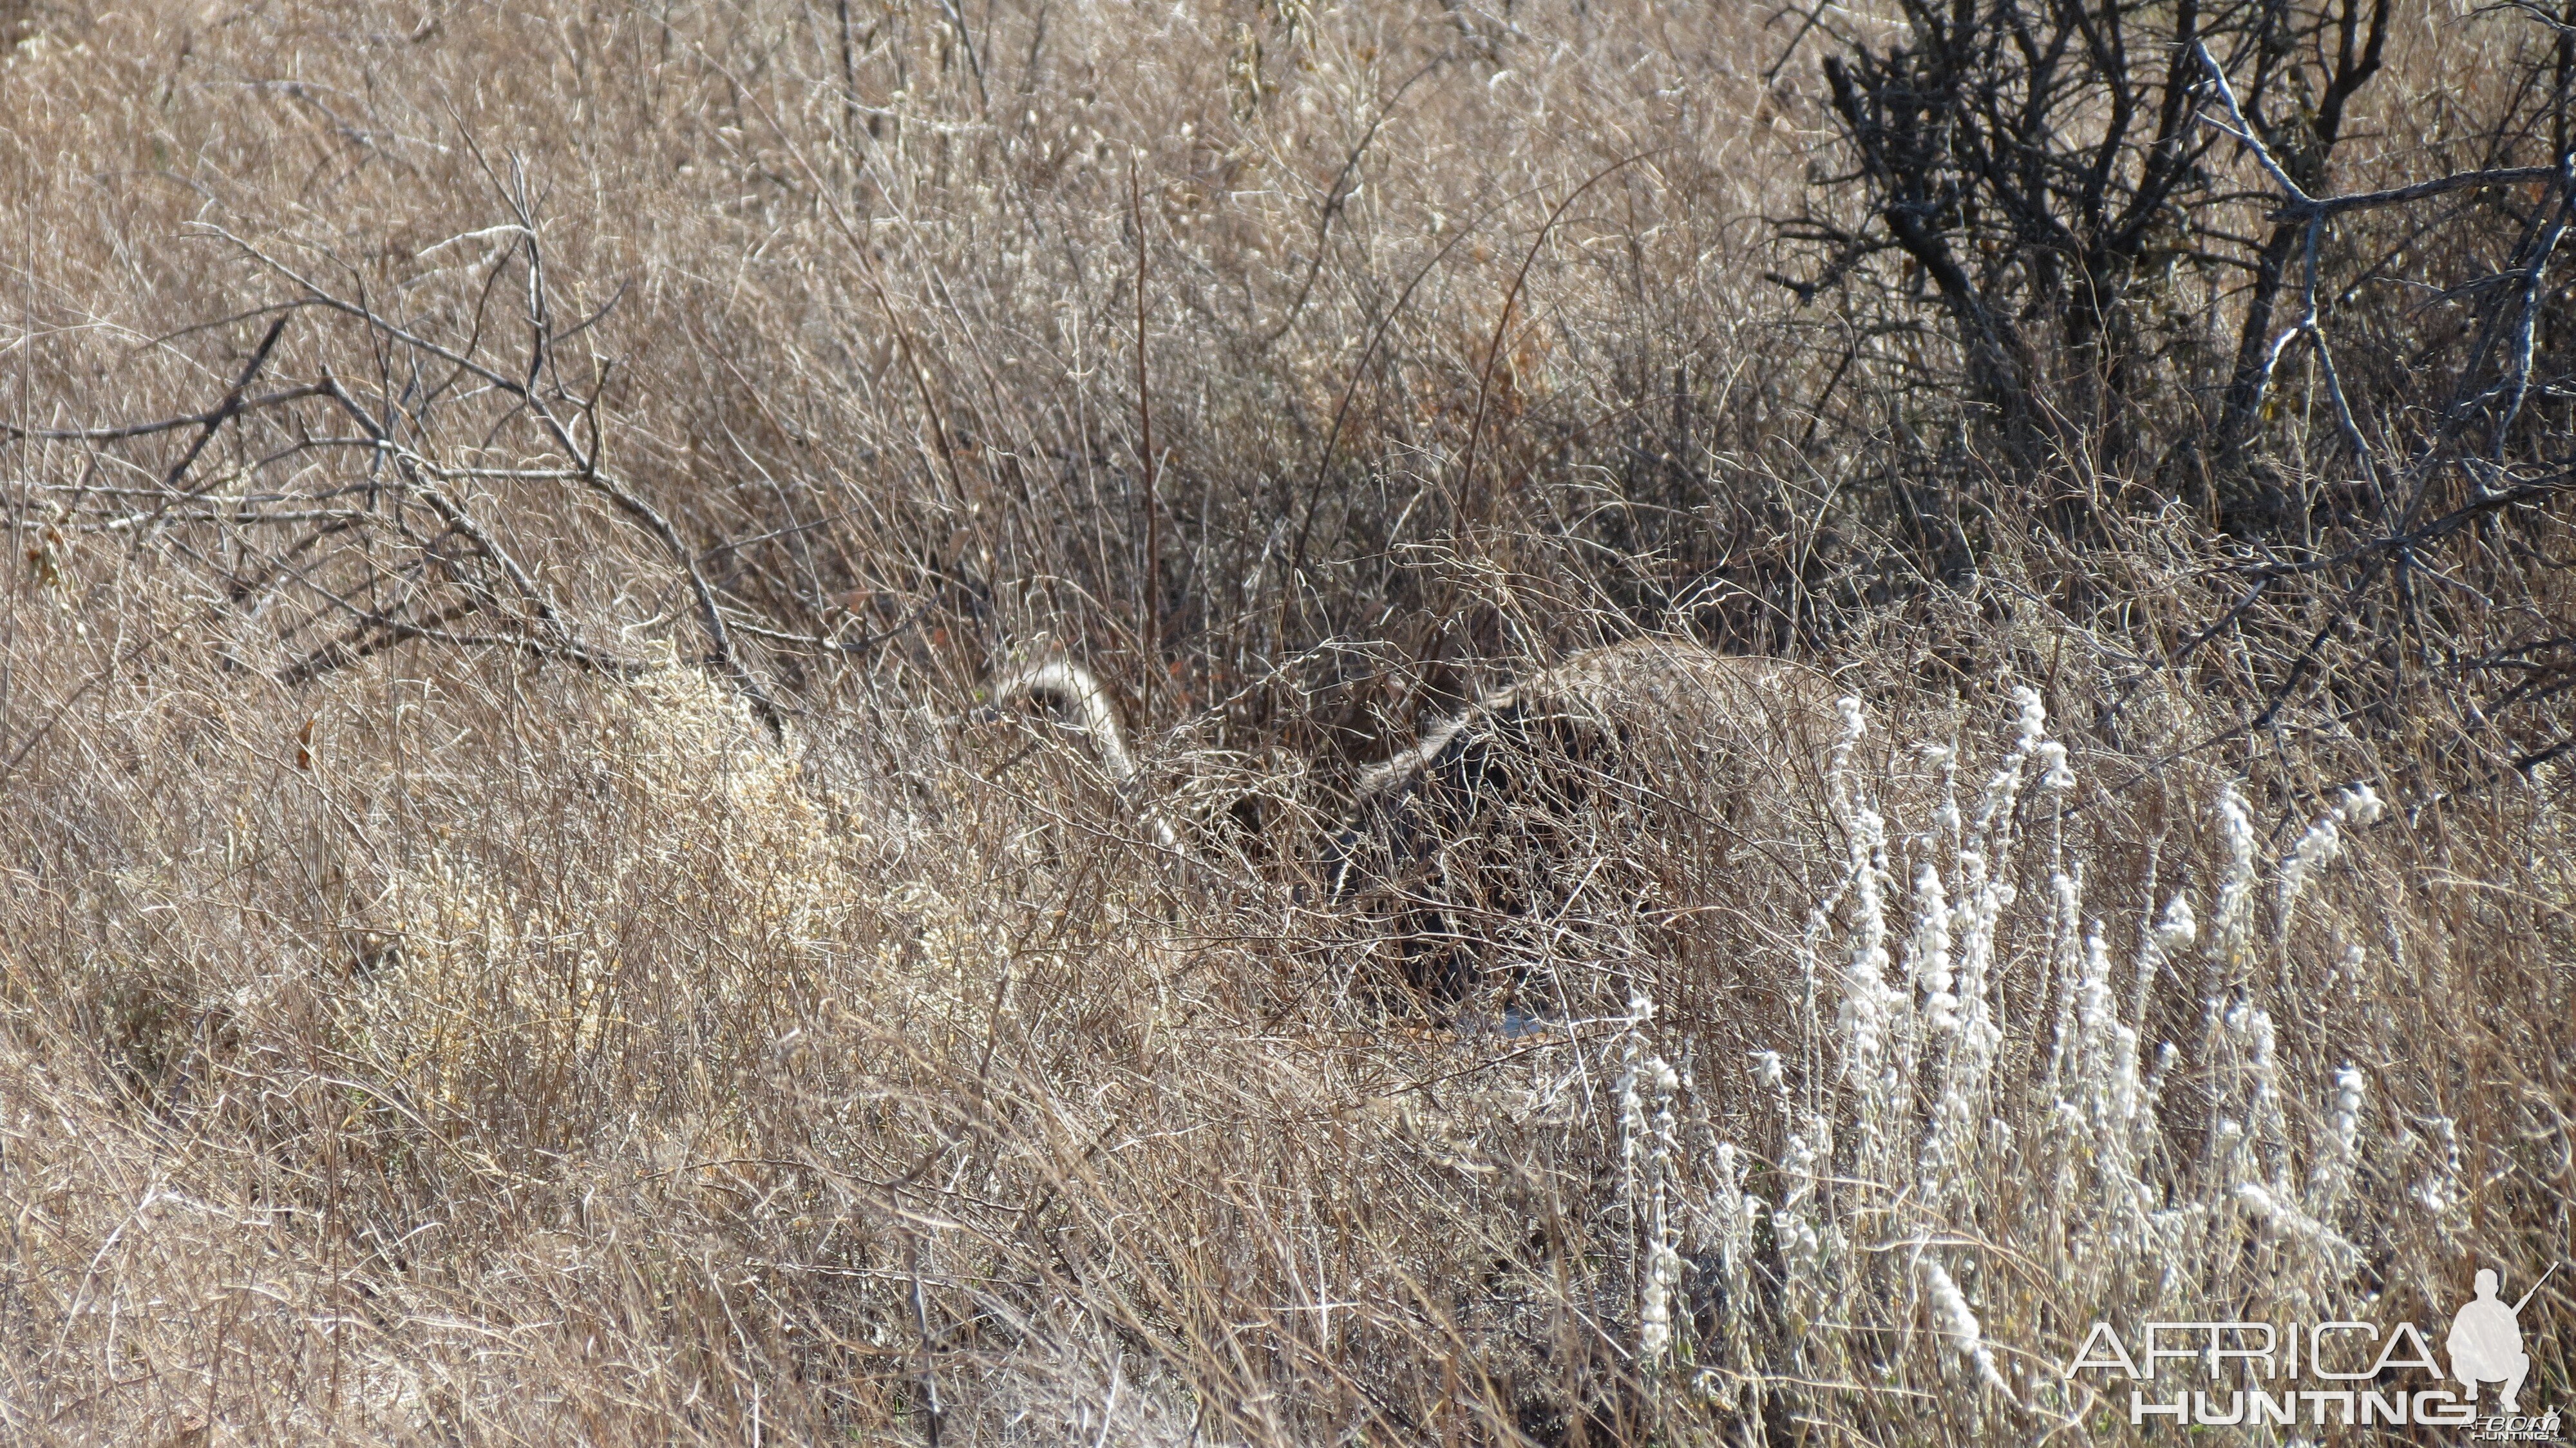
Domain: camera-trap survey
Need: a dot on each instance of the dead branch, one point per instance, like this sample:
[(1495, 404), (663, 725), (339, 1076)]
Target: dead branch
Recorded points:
[(209, 419), (587, 467)]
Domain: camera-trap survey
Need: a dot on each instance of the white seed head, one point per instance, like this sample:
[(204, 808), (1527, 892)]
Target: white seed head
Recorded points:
[(2177, 927), (1952, 1315), (2032, 715), (2236, 881), (2053, 773)]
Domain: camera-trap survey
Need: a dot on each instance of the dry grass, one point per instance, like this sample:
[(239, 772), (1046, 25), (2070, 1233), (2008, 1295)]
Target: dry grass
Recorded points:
[(503, 1032)]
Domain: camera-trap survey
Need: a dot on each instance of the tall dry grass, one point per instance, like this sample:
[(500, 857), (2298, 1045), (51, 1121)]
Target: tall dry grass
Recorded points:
[(512, 934)]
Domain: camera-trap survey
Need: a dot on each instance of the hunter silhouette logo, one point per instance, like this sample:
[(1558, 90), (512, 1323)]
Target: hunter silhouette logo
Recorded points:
[(2486, 1341), (2486, 1347)]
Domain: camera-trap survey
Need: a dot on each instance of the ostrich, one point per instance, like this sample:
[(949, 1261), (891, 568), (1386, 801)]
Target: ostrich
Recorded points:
[(1612, 808), (1079, 698), (1620, 805)]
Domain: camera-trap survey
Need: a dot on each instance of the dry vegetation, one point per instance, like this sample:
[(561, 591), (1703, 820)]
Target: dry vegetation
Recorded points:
[(511, 931)]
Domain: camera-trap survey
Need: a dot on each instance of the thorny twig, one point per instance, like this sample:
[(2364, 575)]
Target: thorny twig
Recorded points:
[(540, 402), (402, 474)]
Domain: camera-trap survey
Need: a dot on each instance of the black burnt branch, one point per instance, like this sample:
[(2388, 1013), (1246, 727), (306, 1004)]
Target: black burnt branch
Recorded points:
[(2031, 162), (2089, 263)]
